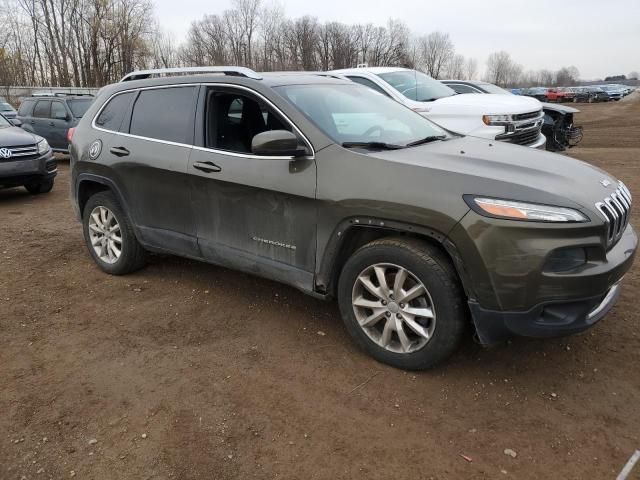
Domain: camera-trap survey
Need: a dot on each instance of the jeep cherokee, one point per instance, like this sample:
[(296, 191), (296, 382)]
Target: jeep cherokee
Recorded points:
[(328, 186)]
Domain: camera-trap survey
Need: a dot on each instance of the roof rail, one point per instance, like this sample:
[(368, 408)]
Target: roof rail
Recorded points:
[(232, 71)]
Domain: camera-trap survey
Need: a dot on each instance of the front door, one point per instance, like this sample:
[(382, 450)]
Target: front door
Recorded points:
[(256, 214), (58, 125)]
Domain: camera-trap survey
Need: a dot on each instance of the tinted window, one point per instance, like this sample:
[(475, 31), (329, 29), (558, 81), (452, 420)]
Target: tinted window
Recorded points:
[(58, 111), (368, 83), (25, 108), (165, 114), (459, 88), (42, 109), (233, 119), (79, 107), (416, 85), (113, 113)]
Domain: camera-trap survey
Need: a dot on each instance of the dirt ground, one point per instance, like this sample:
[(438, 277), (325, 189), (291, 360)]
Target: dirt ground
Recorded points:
[(189, 371)]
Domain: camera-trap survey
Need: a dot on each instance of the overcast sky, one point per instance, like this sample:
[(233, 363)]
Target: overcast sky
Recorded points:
[(600, 37)]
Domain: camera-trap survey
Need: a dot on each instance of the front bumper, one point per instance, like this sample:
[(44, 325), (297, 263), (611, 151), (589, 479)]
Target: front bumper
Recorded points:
[(21, 172), (512, 287), (544, 320)]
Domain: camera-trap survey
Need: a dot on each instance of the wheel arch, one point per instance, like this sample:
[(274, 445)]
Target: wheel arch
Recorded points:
[(88, 184), (353, 233)]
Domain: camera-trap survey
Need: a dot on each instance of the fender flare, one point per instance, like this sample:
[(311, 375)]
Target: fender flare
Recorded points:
[(107, 182), (327, 265)]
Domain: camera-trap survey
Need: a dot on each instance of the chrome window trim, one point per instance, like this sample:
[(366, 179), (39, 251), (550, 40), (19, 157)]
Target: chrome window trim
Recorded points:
[(206, 149)]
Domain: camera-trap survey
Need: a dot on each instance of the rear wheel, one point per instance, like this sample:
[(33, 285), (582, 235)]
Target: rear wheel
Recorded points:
[(401, 301), (36, 188), (109, 236)]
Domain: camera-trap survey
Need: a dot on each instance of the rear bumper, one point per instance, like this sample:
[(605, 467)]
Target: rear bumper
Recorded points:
[(22, 172)]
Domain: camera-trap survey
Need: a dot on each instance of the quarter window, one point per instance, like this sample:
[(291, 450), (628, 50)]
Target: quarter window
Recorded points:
[(25, 108), (113, 113), (165, 114), (42, 109)]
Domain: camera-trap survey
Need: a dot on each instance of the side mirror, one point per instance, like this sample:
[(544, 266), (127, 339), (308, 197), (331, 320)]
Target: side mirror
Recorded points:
[(15, 122), (277, 143)]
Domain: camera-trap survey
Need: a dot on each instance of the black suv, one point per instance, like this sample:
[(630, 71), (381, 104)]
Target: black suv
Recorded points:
[(51, 116), (328, 186), (25, 159)]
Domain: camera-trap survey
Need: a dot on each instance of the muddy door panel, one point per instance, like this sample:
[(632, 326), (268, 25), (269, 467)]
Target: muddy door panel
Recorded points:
[(256, 215)]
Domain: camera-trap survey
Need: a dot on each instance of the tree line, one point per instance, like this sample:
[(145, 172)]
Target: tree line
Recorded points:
[(90, 43)]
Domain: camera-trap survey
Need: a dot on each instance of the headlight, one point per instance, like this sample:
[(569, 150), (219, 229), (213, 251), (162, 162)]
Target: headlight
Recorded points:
[(533, 212), (496, 119), (43, 147)]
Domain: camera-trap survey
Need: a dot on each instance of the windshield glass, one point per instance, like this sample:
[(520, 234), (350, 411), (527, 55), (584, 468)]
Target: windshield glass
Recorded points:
[(4, 122), (416, 85), (353, 113), (5, 107), (79, 107), (491, 88)]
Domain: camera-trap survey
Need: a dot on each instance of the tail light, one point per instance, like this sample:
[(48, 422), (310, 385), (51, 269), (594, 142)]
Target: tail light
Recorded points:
[(70, 134)]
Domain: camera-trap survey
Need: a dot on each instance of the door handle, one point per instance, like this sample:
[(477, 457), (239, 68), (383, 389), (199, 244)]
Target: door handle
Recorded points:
[(119, 151), (51, 124), (207, 167)]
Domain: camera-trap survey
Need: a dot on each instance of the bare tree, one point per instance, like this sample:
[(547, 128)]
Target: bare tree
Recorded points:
[(435, 50), (502, 70), (470, 68)]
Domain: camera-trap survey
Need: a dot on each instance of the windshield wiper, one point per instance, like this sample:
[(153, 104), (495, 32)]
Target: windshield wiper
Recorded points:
[(432, 138), (373, 145)]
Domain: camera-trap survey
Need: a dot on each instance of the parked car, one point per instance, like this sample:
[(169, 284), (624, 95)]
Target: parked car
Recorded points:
[(51, 116), (539, 93), (592, 94), (343, 192), (7, 110), (25, 159), (496, 117), (614, 92), (558, 125)]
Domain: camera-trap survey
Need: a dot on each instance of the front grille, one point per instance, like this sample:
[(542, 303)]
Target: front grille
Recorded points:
[(615, 210), (525, 116), (23, 152), (522, 138)]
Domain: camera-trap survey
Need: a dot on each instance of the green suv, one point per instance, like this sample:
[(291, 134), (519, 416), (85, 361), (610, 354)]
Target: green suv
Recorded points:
[(330, 187)]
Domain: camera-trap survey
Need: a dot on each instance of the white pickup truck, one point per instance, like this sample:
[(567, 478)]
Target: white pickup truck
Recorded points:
[(505, 118)]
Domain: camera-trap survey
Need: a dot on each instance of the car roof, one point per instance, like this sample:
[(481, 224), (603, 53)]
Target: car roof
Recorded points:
[(376, 70), (270, 79)]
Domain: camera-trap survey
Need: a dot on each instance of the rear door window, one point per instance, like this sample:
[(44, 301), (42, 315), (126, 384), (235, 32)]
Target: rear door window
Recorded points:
[(42, 109), (165, 114), (58, 111), (112, 115)]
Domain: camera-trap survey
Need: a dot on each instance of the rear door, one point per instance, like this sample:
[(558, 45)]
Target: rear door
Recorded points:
[(150, 158), (58, 125), (40, 118), (252, 213)]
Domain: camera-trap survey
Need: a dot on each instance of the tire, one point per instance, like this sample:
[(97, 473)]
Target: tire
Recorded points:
[(423, 263), (39, 187), (132, 255)]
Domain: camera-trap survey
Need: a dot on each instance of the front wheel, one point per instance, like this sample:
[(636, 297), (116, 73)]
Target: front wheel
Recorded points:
[(37, 188), (401, 301)]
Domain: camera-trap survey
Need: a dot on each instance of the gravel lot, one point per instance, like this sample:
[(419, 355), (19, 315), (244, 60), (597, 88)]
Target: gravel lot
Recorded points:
[(185, 370)]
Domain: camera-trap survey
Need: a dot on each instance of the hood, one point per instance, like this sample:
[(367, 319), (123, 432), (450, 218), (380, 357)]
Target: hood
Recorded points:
[(485, 104), (555, 107), (16, 137), (501, 170)]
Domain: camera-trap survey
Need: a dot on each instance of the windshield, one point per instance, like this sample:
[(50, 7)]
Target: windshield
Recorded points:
[(79, 107), (353, 113), (4, 122), (416, 85), (5, 107), (491, 88)]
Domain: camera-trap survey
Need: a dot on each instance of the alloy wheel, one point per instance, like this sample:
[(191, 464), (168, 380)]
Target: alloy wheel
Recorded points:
[(105, 234), (393, 308)]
